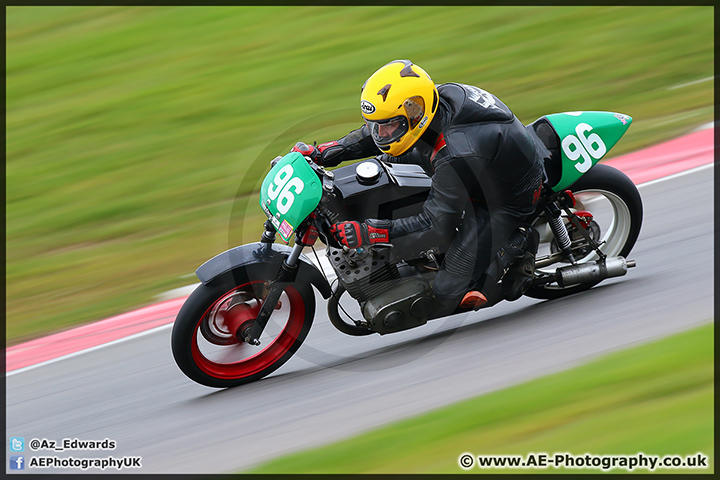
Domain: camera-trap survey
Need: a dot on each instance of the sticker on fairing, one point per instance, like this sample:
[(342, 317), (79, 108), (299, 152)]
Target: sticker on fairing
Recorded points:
[(285, 229), (623, 118)]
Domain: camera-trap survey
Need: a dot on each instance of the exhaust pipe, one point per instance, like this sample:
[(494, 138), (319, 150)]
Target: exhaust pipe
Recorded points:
[(593, 271)]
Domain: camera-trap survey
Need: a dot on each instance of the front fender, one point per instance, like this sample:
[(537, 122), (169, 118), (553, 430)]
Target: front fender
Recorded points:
[(250, 254)]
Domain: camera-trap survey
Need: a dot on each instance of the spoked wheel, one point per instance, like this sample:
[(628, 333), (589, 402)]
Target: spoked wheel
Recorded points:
[(616, 206), (204, 340)]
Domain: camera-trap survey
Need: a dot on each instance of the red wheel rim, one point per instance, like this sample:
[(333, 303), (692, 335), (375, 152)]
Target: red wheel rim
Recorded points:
[(264, 357)]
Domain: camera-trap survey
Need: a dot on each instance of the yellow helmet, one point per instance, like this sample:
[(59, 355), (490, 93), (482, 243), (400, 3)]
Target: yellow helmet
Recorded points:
[(398, 102)]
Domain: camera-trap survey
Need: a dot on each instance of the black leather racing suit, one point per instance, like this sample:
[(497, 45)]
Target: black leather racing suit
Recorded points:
[(486, 170)]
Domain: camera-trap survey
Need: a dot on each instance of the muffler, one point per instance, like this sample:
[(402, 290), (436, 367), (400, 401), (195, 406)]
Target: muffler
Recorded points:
[(592, 271)]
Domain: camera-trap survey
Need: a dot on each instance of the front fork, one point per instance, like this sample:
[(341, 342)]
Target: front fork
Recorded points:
[(287, 274)]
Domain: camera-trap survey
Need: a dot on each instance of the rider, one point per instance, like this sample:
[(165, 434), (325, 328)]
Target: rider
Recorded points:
[(486, 170)]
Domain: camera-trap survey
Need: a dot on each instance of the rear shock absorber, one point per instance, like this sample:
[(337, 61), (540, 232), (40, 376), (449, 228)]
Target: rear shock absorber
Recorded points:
[(558, 228)]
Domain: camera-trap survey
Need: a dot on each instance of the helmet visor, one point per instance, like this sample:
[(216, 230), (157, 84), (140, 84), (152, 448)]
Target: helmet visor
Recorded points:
[(385, 132)]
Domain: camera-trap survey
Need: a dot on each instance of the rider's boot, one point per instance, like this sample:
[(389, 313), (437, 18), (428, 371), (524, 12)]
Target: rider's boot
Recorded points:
[(473, 299)]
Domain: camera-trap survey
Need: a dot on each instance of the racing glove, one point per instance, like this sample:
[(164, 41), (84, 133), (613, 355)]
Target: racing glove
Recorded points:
[(355, 234), (314, 152)]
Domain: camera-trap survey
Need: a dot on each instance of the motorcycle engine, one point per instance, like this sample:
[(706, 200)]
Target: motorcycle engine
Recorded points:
[(365, 272), (393, 296)]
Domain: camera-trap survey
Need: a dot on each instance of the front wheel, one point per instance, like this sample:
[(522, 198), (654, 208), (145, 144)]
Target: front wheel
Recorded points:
[(615, 203), (203, 342)]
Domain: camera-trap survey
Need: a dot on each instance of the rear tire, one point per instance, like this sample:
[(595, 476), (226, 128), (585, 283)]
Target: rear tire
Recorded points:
[(624, 199), (219, 360)]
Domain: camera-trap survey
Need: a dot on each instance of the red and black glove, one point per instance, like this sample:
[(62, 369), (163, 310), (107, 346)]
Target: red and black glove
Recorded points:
[(315, 153), (355, 234)]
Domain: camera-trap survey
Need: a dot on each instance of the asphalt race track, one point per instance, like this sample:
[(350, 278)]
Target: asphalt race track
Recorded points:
[(337, 386)]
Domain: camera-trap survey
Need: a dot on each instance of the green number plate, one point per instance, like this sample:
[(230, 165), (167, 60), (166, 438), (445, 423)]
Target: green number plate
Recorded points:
[(290, 192), (585, 137)]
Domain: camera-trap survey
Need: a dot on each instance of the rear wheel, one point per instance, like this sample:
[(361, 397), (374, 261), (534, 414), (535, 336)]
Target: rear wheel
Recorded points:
[(615, 203), (203, 339)]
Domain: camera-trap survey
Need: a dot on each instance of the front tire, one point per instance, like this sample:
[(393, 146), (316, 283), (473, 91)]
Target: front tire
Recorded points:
[(203, 341), (603, 189)]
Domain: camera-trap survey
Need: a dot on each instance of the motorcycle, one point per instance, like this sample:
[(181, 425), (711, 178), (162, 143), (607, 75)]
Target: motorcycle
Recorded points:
[(255, 304)]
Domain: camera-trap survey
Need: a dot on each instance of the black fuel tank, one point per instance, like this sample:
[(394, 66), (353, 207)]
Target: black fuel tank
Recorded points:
[(375, 189)]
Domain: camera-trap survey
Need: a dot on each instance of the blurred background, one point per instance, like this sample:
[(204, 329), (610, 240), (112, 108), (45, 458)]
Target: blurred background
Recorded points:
[(136, 137)]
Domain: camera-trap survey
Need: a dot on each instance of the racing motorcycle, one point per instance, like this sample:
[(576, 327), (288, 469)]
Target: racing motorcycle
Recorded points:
[(256, 302)]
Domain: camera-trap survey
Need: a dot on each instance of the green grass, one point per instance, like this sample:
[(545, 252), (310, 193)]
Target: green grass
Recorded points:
[(656, 399), (137, 136)]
